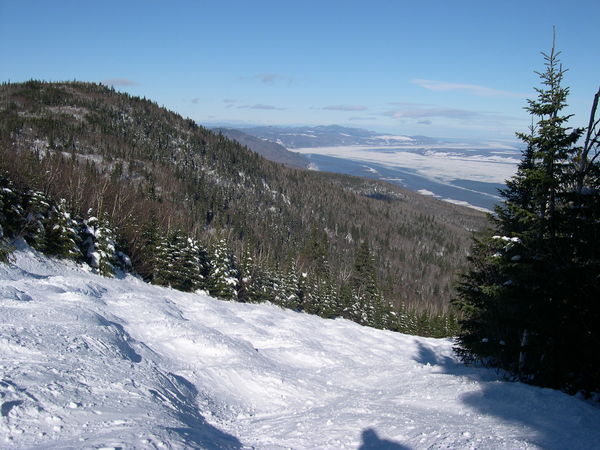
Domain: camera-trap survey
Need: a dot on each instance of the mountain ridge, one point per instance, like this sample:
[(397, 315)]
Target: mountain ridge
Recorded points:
[(330, 136), (142, 164)]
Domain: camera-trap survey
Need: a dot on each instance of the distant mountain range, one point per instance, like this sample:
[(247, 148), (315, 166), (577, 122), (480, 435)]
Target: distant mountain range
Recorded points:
[(331, 136), (267, 149), (463, 171)]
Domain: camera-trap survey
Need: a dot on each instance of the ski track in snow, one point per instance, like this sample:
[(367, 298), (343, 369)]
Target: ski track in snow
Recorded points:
[(91, 362)]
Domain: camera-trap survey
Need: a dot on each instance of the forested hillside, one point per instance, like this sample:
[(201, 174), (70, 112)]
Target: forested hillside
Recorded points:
[(147, 170)]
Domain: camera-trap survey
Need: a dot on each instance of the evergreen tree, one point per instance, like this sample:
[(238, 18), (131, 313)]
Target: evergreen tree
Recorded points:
[(223, 278), (180, 262), (368, 306), (37, 211), (99, 245), (163, 259), (405, 321), (5, 248), (149, 259), (187, 269), (11, 209), (60, 232), (319, 293), (531, 295), (277, 287), (247, 286), (345, 298), (326, 299), (254, 281), (8, 204), (291, 288)]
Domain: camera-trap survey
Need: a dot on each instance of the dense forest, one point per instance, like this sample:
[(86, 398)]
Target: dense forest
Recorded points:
[(152, 175)]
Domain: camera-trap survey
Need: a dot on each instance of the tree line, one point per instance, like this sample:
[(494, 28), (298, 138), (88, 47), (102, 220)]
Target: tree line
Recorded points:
[(179, 261)]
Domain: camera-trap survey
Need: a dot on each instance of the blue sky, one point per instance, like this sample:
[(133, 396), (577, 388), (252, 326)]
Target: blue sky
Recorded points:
[(437, 68)]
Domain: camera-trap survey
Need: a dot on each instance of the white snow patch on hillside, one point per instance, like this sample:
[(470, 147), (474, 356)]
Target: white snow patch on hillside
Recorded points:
[(393, 137), (91, 362), (467, 204)]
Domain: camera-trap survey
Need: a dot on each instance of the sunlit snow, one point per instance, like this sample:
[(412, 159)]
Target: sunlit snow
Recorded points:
[(91, 362)]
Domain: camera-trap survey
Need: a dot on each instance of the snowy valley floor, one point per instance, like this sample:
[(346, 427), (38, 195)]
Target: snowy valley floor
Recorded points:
[(90, 362)]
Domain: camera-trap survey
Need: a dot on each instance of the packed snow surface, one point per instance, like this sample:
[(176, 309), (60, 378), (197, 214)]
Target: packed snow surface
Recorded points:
[(91, 362)]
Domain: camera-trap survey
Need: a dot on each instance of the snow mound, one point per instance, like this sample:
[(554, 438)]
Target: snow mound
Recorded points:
[(91, 362)]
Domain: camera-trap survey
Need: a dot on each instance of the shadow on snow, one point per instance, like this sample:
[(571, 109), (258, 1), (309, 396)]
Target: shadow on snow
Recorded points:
[(370, 441), (554, 419)]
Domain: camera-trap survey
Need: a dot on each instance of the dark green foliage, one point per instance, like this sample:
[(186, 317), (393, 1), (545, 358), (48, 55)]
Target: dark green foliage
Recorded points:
[(37, 209), (61, 236), (148, 256), (191, 266), (292, 288), (223, 277), (99, 245), (11, 210), (320, 296), (531, 295), (361, 300), (5, 249), (251, 283), (49, 227), (179, 262), (9, 215)]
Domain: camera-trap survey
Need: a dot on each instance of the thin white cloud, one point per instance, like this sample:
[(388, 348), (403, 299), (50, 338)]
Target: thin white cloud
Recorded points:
[(408, 104), (359, 118), (268, 78), (119, 82), (474, 89), (345, 108), (420, 113), (261, 106), (423, 114)]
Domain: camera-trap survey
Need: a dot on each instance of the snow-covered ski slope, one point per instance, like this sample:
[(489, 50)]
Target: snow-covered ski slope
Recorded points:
[(91, 362)]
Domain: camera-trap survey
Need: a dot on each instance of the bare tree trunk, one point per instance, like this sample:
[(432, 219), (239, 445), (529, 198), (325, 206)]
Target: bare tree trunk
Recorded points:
[(523, 350), (592, 139)]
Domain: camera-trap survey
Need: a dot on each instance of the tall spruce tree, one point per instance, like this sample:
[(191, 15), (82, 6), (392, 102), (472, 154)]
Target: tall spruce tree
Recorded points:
[(291, 288), (99, 244), (367, 305), (37, 210), (11, 209), (180, 262), (223, 279), (11, 212), (59, 236), (531, 296)]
